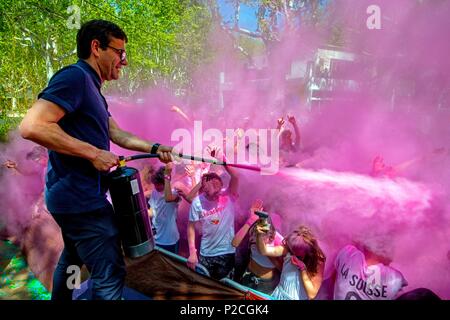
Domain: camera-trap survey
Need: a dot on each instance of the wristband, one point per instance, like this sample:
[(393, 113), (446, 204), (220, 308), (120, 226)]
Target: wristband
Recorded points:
[(155, 148), (167, 177)]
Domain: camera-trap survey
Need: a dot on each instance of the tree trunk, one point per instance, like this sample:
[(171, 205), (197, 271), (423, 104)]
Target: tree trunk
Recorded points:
[(48, 60), (237, 9)]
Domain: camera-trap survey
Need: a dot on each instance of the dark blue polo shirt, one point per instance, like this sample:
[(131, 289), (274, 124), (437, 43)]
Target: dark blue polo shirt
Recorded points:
[(73, 185)]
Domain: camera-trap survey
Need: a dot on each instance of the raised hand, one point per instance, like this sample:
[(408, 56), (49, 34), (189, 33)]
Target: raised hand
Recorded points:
[(291, 119), (175, 109), (280, 122), (213, 150), (257, 205), (190, 170)]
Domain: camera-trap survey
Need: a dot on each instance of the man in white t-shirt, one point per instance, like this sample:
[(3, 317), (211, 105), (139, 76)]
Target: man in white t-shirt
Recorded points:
[(365, 275), (214, 209), (164, 201)]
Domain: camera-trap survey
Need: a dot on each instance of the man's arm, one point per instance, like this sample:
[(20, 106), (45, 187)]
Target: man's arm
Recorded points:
[(193, 259), (183, 191), (280, 123), (129, 141), (292, 120), (234, 177), (181, 113), (257, 205), (40, 125), (234, 180), (276, 251), (194, 192), (190, 172), (311, 284), (168, 195)]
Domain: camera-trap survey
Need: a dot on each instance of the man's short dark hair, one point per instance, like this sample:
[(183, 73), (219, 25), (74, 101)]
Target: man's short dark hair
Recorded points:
[(208, 177), (101, 30), (211, 176)]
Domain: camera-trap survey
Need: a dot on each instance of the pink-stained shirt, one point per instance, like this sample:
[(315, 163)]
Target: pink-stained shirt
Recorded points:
[(355, 280)]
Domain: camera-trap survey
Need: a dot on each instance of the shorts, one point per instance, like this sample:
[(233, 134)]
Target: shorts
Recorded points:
[(219, 266), (249, 279)]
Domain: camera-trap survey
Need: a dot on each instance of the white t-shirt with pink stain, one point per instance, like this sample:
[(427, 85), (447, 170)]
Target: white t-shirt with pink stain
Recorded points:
[(217, 223)]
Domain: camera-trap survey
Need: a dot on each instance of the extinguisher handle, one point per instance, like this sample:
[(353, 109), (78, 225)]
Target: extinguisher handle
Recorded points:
[(122, 161), (139, 156)]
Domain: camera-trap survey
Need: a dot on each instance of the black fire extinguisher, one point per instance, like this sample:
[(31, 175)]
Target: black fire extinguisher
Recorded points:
[(130, 205)]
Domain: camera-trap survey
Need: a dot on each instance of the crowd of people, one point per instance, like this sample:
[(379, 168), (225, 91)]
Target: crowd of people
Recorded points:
[(290, 267), (257, 254)]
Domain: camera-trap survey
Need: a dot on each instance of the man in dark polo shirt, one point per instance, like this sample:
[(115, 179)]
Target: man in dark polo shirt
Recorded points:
[(72, 120)]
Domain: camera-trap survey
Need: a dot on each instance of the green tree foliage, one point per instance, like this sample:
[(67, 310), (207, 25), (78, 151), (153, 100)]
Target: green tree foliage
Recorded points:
[(167, 42)]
